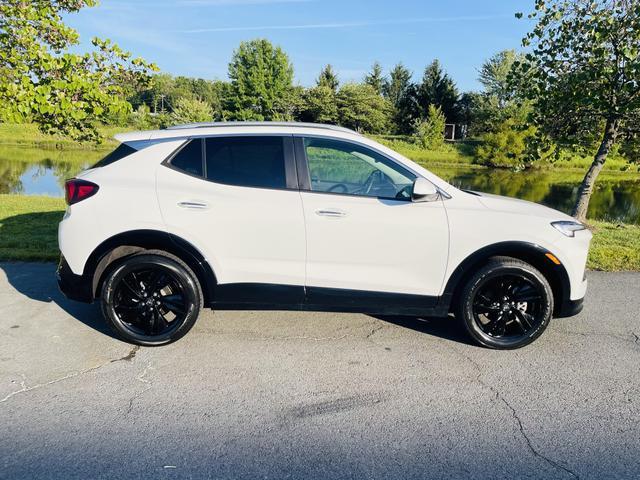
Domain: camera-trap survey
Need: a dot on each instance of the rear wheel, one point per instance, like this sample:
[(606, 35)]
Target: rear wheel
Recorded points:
[(151, 299), (506, 304)]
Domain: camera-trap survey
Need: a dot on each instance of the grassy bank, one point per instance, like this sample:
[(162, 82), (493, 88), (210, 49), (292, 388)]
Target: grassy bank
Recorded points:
[(462, 154), (28, 135), (28, 229)]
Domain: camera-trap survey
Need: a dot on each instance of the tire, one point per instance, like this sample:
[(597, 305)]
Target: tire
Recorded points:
[(505, 304), (151, 298)]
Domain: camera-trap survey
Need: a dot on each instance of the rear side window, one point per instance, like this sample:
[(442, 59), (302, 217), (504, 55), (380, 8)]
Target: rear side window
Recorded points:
[(246, 161), (119, 153), (189, 158)]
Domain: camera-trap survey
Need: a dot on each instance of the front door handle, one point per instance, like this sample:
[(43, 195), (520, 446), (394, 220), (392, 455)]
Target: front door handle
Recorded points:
[(193, 204), (330, 212)]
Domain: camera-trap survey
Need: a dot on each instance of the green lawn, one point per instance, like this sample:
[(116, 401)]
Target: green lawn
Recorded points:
[(28, 229), (29, 135)]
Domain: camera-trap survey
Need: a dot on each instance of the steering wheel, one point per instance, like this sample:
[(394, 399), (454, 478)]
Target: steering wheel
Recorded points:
[(375, 179), (338, 188)]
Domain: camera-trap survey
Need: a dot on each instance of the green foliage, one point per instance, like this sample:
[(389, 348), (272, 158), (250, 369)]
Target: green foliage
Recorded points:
[(191, 110), (402, 94), (319, 104), (328, 78), (375, 78), (429, 133), (261, 77), (362, 109), (63, 92), (506, 147), (438, 89), (584, 67)]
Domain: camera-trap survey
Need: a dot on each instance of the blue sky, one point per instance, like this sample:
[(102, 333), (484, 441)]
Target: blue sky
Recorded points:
[(197, 37)]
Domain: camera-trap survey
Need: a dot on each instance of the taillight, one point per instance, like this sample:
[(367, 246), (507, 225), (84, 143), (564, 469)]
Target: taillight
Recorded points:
[(76, 190)]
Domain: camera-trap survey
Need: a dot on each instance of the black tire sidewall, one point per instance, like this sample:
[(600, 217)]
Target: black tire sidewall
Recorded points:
[(497, 269), (191, 291)]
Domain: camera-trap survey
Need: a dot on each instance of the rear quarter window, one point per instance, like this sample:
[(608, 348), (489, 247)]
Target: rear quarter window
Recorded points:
[(189, 158), (123, 150)]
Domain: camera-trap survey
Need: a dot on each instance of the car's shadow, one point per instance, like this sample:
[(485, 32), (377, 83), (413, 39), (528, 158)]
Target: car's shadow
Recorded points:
[(37, 282), (447, 328)]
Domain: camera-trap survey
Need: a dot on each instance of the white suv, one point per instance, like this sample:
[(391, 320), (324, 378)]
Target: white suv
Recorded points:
[(307, 217)]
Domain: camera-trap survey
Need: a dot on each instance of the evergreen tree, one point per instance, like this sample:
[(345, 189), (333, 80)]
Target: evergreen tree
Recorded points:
[(375, 78), (261, 76), (328, 78), (438, 89)]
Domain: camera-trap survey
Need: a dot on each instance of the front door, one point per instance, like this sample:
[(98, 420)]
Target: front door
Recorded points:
[(363, 231)]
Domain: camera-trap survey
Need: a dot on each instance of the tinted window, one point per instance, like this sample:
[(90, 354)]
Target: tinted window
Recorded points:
[(246, 161), (347, 168), (189, 158), (122, 151)]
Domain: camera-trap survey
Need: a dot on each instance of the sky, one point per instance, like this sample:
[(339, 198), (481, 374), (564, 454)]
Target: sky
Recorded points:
[(197, 37)]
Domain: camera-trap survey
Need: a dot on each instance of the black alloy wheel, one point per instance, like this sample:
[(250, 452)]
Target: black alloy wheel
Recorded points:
[(506, 304), (151, 299)]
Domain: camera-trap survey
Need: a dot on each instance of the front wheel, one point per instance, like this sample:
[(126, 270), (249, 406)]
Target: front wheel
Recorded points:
[(506, 304), (151, 299)]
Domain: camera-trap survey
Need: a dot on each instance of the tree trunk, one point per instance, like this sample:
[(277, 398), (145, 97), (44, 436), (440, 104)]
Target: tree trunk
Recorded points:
[(586, 188)]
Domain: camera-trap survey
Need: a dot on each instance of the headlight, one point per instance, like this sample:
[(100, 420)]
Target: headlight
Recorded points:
[(568, 227)]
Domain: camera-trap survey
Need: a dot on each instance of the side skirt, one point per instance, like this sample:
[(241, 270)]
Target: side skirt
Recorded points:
[(256, 296)]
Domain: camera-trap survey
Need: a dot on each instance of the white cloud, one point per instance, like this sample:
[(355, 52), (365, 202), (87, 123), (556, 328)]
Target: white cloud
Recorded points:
[(310, 26)]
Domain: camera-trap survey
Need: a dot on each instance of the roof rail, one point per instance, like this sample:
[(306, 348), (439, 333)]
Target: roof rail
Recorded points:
[(261, 124)]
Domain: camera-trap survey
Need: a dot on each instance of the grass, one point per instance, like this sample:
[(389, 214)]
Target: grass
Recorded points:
[(30, 136), (615, 247), (28, 231), (29, 227)]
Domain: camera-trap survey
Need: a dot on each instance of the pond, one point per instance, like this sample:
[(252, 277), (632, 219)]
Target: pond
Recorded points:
[(33, 171)]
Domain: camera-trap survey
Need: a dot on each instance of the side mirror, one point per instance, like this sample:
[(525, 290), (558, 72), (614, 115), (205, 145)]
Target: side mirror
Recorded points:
[(424, 191)]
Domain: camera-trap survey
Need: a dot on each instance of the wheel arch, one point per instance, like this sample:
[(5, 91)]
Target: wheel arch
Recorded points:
[(134, 241), (531, 253)]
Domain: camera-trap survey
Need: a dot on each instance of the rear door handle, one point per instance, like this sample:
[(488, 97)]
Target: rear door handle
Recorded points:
[(193, 204), (328, 212)]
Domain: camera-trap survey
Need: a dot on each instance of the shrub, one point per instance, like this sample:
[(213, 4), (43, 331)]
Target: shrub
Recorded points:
[(429, 133), (189, 110), (506, 147)]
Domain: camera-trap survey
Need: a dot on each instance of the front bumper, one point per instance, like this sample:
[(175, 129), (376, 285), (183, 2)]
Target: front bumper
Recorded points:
[(72, 286), (569, 308)]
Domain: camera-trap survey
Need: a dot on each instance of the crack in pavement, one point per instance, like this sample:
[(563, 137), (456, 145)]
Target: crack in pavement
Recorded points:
[(140, 378), (516, 417), (23, 384), (615, 336)]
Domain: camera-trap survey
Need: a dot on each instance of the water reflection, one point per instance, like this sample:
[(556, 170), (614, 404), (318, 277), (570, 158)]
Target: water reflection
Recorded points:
[(616, 196), (33, 171)]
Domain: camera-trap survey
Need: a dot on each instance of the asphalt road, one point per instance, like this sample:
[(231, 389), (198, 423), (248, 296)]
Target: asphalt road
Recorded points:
[(253, 395)]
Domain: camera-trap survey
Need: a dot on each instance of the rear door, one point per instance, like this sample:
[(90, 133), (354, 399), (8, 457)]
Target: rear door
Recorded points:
[(236, 199), (363, 231)]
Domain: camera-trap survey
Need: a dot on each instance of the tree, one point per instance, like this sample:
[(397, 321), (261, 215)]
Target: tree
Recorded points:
[(63, 92), (191, 110), (375, 78), (438, 89), (495, 73), (319, 105), (583, 75), (261, 76), (328, 78), (402, 94), (362, 109), (430, 131)]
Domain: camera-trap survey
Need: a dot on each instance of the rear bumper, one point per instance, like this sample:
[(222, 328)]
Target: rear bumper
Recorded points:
[(569, 308), (72, 286)]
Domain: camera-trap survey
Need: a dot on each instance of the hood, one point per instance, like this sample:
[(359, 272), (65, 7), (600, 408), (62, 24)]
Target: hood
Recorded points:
[(523, 207)]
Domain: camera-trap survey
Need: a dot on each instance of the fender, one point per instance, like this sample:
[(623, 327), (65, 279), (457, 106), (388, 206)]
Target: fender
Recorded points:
[(529, 252), (136, 240)]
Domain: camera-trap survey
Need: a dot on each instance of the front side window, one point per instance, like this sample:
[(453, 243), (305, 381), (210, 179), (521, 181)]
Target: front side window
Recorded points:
[(347, 168), (246, 161)]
